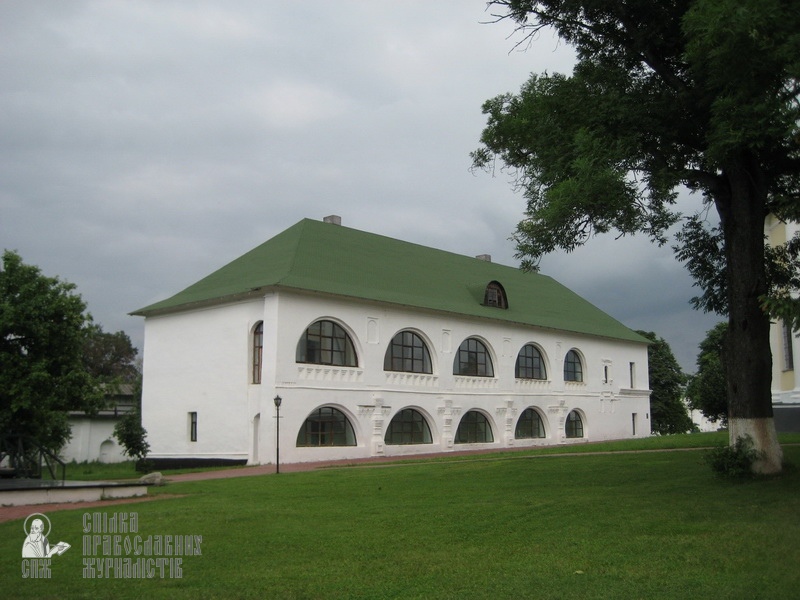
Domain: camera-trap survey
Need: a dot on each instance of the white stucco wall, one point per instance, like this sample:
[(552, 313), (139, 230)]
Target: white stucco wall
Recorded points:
[(92, 440), (785, 381), (200, 361)]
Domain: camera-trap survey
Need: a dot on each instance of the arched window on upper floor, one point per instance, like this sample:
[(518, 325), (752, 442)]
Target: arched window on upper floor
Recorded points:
[(258, 351), (530, 363), (408, 352), (408, 427), (326, 343), (474, 428), (573, 428), (326, 426), (495, 295), (573, 367), (530, 425), (473, 359)]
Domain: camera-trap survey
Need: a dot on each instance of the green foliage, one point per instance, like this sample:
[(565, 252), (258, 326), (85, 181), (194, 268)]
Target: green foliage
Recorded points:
[(702, 250), (742, 60), (132, 436), (699, 94), (734, 462), (129, 431), (667, 412), (43, 330), (706, 391), (574, 177), (662, 96), (110, 357)]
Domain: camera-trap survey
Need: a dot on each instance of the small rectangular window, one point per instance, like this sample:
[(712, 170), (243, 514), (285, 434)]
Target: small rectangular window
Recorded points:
[(788, 350), (193, 426)]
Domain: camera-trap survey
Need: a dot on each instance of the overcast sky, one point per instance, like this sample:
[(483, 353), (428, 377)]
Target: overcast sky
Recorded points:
[(144, 144)]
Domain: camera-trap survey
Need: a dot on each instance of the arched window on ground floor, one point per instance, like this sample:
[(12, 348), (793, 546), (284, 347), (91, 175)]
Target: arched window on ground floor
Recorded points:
[(474, 428), (408, 427), (573, 428), (326, 426), (530, 425)]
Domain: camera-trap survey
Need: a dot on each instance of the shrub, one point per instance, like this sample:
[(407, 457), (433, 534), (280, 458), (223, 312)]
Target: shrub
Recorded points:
[(736, 461), (133, 437)]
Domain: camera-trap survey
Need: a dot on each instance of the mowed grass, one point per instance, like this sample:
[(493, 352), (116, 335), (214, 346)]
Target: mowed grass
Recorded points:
[(97, 471), (623, 525), (94, 471)]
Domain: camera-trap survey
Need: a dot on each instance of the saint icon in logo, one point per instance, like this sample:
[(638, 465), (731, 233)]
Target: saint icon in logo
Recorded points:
[(36, 544)]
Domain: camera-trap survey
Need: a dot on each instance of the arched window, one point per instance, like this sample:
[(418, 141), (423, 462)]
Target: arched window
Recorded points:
[(530, 425), (530, 364), (407, 352), (326, 426), (473, 359), (258, 348), (408, 427), (573, 428), (573, 369), (474, 428), (495, 296), (326, 343)]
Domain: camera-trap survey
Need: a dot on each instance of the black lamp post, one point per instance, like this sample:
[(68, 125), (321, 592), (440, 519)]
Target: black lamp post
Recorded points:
[(277, 400)]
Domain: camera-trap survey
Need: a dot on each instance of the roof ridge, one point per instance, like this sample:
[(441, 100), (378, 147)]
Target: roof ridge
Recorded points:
[(302, 225)]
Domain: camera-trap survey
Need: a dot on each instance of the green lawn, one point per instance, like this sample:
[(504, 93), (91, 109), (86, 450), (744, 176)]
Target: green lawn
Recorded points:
[(625, 525), (94, 471)]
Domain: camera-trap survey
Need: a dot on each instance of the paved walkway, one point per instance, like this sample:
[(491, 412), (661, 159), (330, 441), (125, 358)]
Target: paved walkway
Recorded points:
[(10, 513)]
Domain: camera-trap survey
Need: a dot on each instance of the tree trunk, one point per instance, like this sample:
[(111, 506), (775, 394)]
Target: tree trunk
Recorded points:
[(748, 354)]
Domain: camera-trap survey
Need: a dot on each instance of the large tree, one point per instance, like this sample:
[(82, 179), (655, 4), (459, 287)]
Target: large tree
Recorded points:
[(697, 94), (43, 332), (667, 411)]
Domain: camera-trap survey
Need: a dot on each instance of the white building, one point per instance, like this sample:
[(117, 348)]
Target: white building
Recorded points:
[(93, 436), (785, 346), (379, 347)]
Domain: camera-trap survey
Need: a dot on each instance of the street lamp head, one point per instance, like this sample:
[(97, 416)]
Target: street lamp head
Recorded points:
[(277, 400)]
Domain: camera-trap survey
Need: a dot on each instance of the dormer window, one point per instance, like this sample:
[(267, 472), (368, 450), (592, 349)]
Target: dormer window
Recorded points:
[(495, 296)]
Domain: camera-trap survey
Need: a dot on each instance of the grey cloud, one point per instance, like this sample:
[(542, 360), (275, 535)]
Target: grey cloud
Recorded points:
[(144, 144)]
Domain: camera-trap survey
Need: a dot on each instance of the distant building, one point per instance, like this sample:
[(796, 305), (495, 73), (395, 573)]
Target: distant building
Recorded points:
[(93, 436), (700, 421), (785, 346), (380, 347)]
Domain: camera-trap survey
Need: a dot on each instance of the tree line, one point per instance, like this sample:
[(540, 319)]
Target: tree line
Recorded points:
[(54, 359)]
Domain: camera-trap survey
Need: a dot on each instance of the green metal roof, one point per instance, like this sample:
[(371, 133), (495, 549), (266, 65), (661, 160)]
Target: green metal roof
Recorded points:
[(331, 259)]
